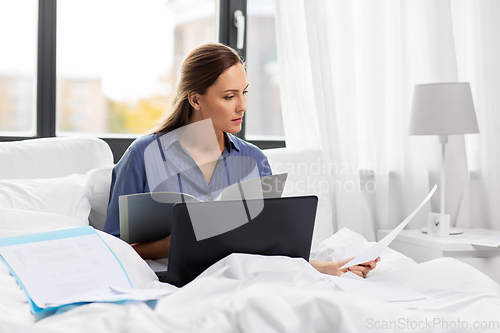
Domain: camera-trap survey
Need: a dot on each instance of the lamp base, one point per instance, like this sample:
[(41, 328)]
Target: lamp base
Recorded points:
[(438, 225)]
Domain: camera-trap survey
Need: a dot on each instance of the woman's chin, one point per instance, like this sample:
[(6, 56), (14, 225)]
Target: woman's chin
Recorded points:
[(234, 129)]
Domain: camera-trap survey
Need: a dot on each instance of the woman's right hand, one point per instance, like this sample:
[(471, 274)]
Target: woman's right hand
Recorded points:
[(333, 267), (153, 250)]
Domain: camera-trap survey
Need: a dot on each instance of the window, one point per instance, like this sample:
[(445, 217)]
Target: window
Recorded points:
[(263, 119), (18, 67), (108, 68), (115, 79)]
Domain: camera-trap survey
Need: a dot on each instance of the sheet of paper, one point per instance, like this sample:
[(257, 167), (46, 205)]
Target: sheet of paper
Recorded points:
[(481, 240), (384, 291), (351, 275), (60, 268), (374, 251), (158, 265)]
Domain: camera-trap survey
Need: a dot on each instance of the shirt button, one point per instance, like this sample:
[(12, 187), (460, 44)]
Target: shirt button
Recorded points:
[(210, 197)]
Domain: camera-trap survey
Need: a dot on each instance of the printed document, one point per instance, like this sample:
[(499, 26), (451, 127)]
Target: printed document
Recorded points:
[(55, 269)]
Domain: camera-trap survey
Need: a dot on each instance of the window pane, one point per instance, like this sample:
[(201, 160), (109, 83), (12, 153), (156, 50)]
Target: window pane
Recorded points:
[(263, 120), (116, 65), (18, 56), (194, 26)]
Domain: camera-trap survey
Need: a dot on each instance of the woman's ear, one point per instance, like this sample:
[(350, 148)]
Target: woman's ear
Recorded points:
[(194, 100)]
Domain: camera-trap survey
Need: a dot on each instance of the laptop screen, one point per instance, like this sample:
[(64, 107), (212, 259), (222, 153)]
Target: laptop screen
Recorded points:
[(284, 226)]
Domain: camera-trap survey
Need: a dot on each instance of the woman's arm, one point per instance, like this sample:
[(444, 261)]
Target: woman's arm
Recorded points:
[(153, 250), (128, 177)]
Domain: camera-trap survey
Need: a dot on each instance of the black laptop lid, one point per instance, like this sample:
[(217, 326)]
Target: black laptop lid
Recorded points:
[(283, 227)]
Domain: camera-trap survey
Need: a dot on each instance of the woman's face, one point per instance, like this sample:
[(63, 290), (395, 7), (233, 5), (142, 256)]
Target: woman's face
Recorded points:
[(225, 101)]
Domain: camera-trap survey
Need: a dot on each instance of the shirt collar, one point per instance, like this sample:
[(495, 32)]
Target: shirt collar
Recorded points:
[(232, 142), (169, 138)]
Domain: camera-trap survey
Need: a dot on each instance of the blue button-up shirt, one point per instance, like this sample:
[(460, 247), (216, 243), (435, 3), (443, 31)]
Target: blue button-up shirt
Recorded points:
[(156, 163)]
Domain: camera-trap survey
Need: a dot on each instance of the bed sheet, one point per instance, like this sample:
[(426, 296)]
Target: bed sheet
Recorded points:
[(249, 293)]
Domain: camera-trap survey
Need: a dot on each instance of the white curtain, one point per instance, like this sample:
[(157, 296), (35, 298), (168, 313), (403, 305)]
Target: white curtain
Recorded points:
[(348, 69)]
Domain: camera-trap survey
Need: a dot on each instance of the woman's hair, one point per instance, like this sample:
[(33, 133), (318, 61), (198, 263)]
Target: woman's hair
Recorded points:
[(199, 71)]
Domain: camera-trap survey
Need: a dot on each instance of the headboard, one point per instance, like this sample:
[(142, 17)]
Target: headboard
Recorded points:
[(52, 157)]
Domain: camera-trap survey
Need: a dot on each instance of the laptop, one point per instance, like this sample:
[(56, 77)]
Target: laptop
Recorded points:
[(146, 217), (283, 227)]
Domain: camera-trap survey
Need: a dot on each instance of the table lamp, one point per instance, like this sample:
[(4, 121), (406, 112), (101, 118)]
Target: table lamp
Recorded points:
[(442, 109)]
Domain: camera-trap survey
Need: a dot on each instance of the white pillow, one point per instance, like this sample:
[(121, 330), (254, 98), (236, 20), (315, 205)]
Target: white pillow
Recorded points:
[(67, 196), (100, 196), (15, 222), (306, 176)]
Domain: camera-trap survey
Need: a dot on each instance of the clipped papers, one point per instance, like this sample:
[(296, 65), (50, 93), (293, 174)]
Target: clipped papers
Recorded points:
[(62, 264)]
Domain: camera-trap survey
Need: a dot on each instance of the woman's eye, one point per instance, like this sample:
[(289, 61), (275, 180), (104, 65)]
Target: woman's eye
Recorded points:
[(245, 92), (228, 97)]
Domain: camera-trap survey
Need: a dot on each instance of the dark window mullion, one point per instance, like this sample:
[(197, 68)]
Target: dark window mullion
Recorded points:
[(228, 32), (268, 144), (46, 69), (227, 29)]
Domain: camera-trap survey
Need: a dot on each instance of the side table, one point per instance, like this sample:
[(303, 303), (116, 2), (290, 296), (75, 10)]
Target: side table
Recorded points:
[(421, 247)]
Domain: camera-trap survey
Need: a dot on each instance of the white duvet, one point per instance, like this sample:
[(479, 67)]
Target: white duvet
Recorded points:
[(247, 293)]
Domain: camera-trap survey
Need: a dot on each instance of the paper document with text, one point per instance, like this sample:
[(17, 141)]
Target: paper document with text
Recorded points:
[(58, 265)]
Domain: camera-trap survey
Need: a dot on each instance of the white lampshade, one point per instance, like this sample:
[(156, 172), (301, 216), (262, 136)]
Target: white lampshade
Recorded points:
[(442, 109)]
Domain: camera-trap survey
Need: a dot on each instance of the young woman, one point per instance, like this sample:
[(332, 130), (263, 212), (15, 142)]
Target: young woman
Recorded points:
[(211, 91)]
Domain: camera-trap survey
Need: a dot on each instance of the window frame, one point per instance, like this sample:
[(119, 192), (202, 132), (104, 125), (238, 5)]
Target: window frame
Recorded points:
[(46, 73)]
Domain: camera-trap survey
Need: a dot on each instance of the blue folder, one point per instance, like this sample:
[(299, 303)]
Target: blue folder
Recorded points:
[(47, 236)]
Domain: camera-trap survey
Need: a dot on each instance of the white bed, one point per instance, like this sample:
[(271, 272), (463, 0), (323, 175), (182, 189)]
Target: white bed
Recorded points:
[(47, 184)]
